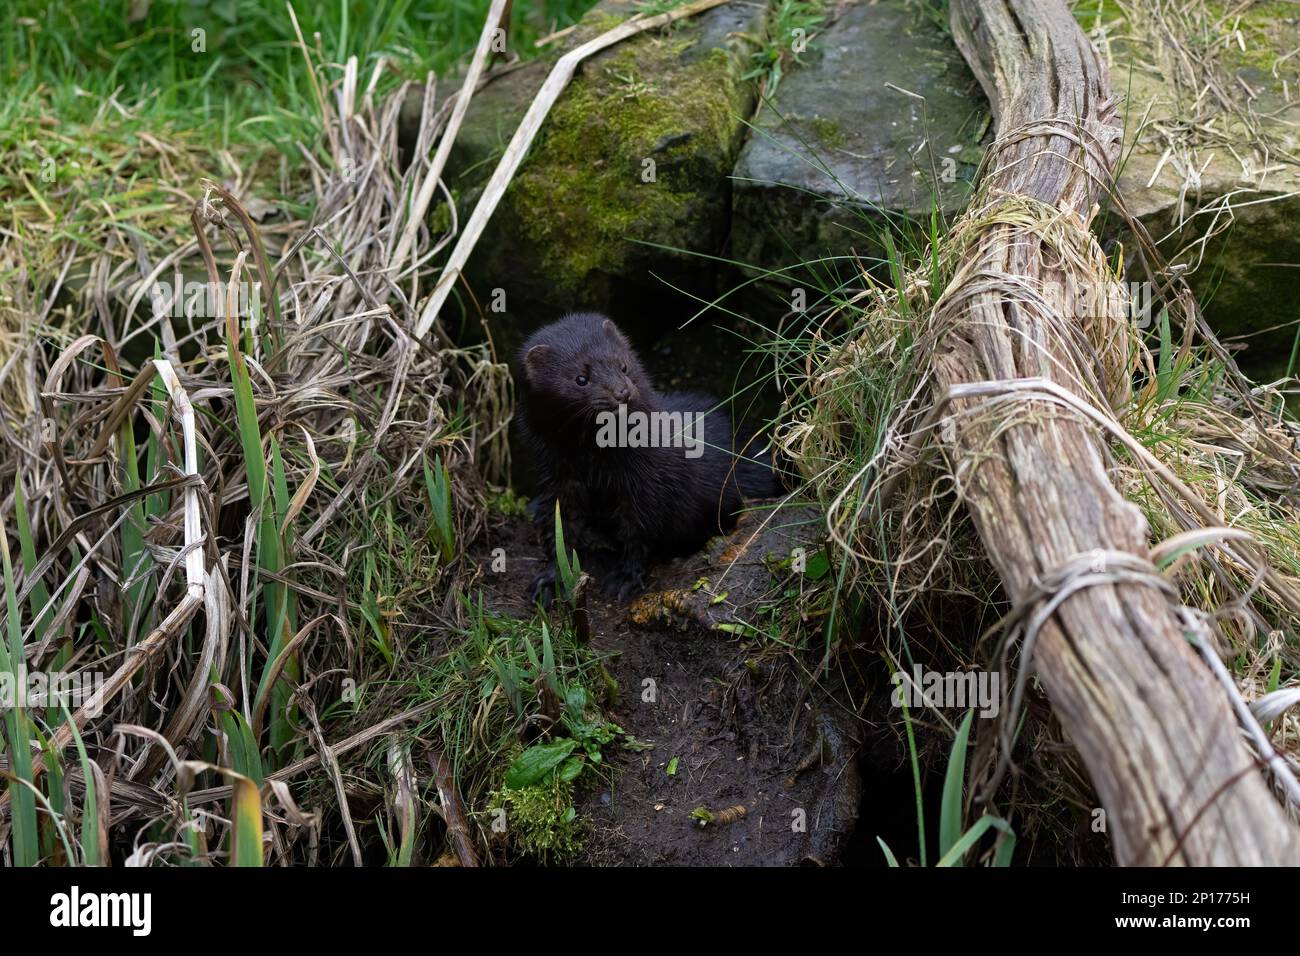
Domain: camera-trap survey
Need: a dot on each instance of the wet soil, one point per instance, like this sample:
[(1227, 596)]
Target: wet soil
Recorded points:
[(731, 729)]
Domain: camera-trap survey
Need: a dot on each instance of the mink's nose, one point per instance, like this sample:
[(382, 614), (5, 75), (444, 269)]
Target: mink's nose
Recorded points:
[(625, 394)]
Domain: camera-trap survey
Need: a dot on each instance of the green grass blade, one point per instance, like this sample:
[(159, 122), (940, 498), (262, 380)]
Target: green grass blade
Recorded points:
[(950, 811), (269, 556), (134, 553), (53, 834), (437, 482), (39, 597), (281, 608), (25, 836), (245, 757), (889, 854), (1006, 847), (916, 779), (968, 839), (92, 853), (246, 824)]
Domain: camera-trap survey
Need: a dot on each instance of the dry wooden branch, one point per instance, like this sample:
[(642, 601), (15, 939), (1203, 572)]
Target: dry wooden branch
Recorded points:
[(1154, 729)]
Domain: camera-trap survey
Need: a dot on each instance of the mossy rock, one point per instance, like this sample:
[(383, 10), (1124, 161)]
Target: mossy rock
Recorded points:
[(635, 156), (1247, 278), (842, 150)]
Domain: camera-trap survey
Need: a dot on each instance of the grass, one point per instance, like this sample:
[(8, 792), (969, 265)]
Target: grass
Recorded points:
[(106, 121), (849, 355), (245, 85), (17, 727), (895, 519), (911, 547), (792, 30), (496, 675), (339, 521)]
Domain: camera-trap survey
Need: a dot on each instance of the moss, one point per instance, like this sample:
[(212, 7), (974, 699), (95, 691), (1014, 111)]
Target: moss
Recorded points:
[(440, 220), (1267, 31), (827, 131), (583, 191), (541, 821), (594, 24), (508, 502)]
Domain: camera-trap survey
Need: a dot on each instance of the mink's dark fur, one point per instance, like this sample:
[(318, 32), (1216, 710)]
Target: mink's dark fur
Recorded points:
[(635, 504)]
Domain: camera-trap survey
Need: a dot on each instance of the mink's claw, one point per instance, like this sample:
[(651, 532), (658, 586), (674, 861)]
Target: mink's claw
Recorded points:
[(542, 588), (623, 584)]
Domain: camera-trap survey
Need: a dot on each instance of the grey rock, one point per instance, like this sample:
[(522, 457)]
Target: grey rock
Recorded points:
[(881, 124)]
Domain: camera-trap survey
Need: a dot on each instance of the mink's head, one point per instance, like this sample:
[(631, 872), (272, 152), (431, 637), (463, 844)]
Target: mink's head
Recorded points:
[(582, 365)]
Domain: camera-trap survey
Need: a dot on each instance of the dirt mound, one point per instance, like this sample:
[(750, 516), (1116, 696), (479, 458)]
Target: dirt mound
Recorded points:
[(738, 760)]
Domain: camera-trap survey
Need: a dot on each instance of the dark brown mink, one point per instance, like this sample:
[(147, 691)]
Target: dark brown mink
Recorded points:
[(624, 506)]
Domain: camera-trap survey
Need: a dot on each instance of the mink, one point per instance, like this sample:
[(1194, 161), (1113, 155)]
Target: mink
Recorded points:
[(631, 502)]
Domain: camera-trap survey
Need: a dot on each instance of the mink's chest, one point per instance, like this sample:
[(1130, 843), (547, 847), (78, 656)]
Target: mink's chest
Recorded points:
[(601, 479)]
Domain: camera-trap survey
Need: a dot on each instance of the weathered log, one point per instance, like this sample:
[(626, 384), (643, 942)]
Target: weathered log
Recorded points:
[(1154, 729)]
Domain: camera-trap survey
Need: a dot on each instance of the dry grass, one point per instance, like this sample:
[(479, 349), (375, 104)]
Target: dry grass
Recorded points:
[(317, 414), (264, 553)]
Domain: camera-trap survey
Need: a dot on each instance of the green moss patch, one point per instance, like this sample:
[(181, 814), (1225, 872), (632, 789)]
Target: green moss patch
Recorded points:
[(632, 150)]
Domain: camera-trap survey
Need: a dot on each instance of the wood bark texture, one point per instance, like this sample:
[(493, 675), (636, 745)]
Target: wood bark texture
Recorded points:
[(1155, 731)]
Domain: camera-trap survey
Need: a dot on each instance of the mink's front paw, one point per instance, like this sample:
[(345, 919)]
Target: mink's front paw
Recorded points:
[(623, 584), (542, 588)]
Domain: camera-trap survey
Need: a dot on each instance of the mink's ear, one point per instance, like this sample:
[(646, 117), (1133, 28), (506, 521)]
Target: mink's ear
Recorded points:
[(613, 333), (537, 358)]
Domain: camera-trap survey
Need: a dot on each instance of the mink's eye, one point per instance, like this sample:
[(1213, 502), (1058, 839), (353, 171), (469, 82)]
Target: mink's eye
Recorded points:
[(624, 367), (581, 380)]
